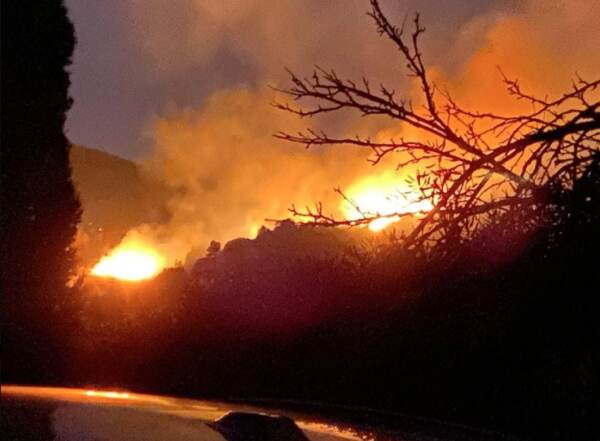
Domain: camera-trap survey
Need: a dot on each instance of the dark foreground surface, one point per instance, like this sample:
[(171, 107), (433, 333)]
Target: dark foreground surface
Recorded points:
[(40, 413)]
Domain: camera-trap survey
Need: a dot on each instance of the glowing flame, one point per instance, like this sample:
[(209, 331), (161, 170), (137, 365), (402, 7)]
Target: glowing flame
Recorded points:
[(108, 394), (385, 196), (131, 261)]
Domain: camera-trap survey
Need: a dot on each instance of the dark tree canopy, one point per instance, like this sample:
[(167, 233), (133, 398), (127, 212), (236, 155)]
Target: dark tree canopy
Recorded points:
[(40, 209)]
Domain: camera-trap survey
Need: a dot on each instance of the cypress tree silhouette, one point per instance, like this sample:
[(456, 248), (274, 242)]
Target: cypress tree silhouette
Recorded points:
[(40, 209)]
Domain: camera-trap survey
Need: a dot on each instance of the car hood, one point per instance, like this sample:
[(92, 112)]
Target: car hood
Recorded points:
[(67, 414)]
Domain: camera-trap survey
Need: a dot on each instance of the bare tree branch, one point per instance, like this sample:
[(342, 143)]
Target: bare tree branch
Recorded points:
[(468, 158)]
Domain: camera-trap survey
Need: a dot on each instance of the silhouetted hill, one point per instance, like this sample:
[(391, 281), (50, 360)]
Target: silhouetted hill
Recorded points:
[(116, 195)]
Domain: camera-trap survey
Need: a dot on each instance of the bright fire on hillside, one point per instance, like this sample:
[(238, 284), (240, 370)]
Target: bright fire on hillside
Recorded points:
[(130, 261), (108, 394), (385, 196)]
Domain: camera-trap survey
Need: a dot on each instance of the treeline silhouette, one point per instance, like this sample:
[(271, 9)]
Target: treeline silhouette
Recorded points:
[(39, 209), (500, 330)]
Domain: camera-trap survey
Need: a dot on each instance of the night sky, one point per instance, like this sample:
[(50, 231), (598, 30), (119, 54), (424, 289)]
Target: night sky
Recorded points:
[(137, 60)]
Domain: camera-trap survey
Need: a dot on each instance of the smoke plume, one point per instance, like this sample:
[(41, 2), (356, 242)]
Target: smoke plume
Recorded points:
[(225, 170)]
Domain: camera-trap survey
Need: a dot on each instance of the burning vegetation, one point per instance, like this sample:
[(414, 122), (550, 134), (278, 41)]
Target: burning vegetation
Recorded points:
[(446, 169), (471, 166), (379, 196), (130, 262), (448, 122)]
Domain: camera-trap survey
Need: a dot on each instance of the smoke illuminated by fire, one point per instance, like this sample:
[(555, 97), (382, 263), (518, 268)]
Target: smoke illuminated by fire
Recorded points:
[(217, 155), (384, 196), (137, 258), (130, 261)]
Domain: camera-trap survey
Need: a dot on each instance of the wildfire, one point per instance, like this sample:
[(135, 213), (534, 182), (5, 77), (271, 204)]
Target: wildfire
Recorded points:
[(130, 261), (386, 196), (108, 394)]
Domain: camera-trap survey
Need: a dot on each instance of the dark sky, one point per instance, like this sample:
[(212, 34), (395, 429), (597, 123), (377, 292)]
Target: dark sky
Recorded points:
[(136, 59), (115, 90)]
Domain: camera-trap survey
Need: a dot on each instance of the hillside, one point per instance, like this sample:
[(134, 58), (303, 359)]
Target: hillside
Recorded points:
[(116, 195)]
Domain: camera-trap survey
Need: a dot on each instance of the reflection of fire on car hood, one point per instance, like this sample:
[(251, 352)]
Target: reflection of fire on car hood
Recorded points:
[(86, 415), (77, 414)]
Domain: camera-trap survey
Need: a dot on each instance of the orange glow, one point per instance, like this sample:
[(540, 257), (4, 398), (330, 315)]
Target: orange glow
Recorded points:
[(107, 394), (254, 231), (130, 261), (385, 195)]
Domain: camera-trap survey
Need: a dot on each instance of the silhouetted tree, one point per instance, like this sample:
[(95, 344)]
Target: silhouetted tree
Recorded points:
[(498, 320), (472, 165), (39, 208)]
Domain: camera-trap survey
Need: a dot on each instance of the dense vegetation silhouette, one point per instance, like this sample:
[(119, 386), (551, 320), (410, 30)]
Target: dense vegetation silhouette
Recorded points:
[(457, 333), (40, 209)]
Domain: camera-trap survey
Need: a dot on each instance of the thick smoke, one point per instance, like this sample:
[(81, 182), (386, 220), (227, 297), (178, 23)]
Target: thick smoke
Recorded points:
[(544, 47), (226, 171)]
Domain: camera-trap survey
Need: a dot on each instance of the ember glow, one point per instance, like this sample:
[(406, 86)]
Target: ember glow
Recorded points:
[(384, 196), (108, 394), (130, 261)]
